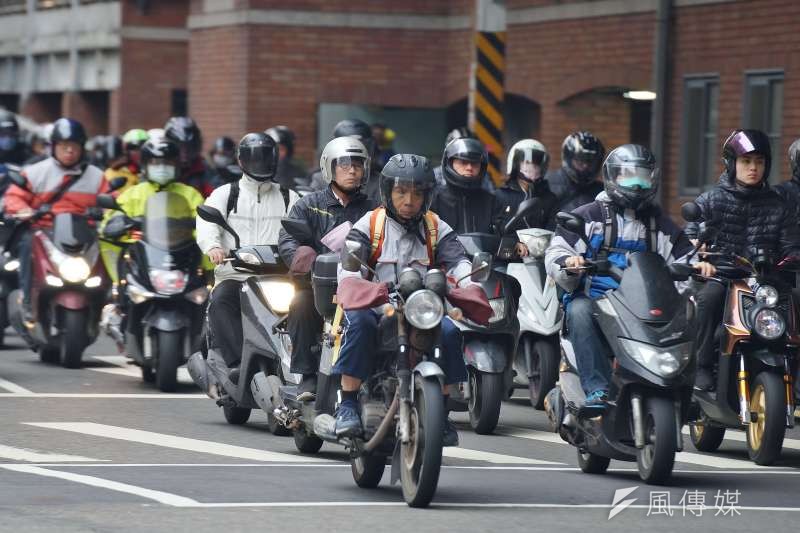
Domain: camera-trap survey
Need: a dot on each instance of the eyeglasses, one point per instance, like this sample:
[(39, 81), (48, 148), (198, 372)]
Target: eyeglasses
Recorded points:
[(347, 162)]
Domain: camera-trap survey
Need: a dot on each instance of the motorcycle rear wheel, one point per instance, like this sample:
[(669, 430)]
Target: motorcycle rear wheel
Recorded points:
[(421, 458), (705, 437), (591, 463), (656, 460), (169, 357), (546, 358), (487, 392), (306, 442), (367, 470), (236, 416), (73, 337)]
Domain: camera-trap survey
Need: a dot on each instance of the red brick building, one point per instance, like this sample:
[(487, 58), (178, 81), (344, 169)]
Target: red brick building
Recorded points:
[(249, 64)]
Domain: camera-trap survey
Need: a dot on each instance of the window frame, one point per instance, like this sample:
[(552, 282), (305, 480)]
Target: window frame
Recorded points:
[(769, 76), (707, 80)]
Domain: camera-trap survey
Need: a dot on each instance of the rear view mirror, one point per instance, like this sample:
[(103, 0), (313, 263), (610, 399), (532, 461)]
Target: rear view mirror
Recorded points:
[(350, 256), (481, 267), (691, 212), (106, 201), (212, 215), (299, 229), (117, 183), (117, 227), (571, 222), (525, 208), (16, 178)]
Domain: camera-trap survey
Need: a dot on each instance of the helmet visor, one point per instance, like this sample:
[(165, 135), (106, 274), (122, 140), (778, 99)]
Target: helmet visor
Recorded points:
[(348, 162), (632, 176)]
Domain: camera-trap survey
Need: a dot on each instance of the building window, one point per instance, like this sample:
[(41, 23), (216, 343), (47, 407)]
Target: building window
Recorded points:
[(699, 140), (180, 104), (763, 110)]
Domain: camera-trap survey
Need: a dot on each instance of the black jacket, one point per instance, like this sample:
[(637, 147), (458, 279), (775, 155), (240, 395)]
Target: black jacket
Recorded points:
[(571, 195), (508, 198), (323, 212), (790, 191), (748, 219), (465, 210), (287, 172)]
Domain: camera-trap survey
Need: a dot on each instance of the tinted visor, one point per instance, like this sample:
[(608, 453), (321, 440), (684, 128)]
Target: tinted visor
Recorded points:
[(347, 162), (741, 144), (631, 176)]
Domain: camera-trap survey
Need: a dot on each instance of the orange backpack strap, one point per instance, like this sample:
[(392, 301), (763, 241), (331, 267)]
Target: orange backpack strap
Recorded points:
[(377, 226), (431, 221)]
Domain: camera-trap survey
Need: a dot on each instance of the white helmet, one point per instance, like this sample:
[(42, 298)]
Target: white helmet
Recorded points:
[(527, 150), (343, 147)]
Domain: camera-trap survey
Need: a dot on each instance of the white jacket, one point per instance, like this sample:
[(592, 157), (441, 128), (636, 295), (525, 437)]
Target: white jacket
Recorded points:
[(257, 220)]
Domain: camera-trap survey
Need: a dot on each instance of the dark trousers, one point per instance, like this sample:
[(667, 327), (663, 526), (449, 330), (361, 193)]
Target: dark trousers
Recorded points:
[(25, 272), (592, 354), (225, 321), (710, 306), (304, 325)]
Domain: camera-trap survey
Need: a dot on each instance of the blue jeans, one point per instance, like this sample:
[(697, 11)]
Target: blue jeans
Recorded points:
[(25, 273), (591, 351), (360, 340)]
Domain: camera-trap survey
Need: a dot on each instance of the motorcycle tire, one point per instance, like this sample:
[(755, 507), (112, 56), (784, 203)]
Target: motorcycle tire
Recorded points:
[(367, 470), (591, 463), (768, 427), (421, 458), (73, 337), (49, 355), (236, 416), (168, 356), (705, 438), (657, 458), (276, 428), (487, 395), (3, 321), (546, 358), (307, 443)]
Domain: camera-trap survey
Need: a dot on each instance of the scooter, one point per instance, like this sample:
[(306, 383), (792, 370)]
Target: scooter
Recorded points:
[(164, 292), (647, 325), (9, 264), (758, 342), (266, 351)]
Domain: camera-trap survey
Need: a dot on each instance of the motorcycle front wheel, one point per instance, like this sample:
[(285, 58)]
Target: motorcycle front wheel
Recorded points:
[(421, 457), (169, 357), (768, 426), (656, 459), (367, 470), (73, 337)]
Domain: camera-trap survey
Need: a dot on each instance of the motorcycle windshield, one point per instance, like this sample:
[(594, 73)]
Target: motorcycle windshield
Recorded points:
[(72, 233), (479, 242), (168, 221), (647, 288)]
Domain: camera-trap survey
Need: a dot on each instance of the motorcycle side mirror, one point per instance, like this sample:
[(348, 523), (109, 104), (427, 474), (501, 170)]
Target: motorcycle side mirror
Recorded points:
[(571, 222), (299, 229), (350, 259), (16, 178), (680, 271), (481, 267), (409, 281), (525, 208), (691, 212), (212, 215), (106, 201), (117, 227), (117, 183)]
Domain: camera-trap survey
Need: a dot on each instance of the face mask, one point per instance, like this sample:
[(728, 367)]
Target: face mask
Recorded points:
[(7, 143), (161, 174), (221, 160), (530, 171)]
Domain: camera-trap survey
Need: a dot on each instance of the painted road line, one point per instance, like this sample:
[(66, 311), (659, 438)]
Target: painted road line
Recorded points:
[(739, 436), (173, 441), (111, 396), (680, 457), (161, 497), (33, 456), (490, 457), (13, 388)]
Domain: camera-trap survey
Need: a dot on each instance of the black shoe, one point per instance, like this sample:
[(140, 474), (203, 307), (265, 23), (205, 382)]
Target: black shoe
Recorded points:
[(450, 437), (233, 375), (704, 379)]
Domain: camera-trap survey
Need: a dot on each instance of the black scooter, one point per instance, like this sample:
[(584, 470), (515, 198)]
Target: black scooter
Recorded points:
[(647, 325), (9, 264)]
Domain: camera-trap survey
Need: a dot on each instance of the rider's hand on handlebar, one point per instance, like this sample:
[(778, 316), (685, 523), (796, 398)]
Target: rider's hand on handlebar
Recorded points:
[(522, 250), (705, 269), (24, 214), (217, 255), (574, 262)]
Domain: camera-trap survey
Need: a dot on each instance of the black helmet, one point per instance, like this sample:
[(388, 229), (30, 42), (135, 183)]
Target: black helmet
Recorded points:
[(410, 170), (469, 150), (66, 129), (223, 144), (184, 132), (352, 127), (582, 146), (741, 142), (8, 123), (630, 176), (103, 149), (283, 135), (794, 158), (159, 160), (459, 133), (258, 156)]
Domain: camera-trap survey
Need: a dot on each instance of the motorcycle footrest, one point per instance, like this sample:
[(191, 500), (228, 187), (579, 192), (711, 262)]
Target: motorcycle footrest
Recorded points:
[(591, 411)]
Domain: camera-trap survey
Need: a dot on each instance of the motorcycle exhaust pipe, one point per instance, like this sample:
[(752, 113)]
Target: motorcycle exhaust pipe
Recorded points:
[(383, 428), (638, 423), (744, 393)]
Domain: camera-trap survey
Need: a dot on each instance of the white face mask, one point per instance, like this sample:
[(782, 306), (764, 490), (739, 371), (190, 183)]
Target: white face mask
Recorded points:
[(221, 160), (161, 174), (530, 171)]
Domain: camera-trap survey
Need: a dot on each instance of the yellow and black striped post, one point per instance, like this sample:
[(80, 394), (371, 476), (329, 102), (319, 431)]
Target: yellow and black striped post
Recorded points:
[(486, 102)]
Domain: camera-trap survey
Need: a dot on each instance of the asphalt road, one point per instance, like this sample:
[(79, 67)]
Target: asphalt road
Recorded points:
[(96, 449)]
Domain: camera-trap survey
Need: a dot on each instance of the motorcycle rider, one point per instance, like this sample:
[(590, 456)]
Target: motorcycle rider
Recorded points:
[(622, 220), (526, 168), (223, 158), (194, 170), (253, 207), (288, 168), (460, 133), (353, 127), (576, 183), (790, 190), (63, 175), (133, 140), (407, 186), (12, 149), (117, 163), (345, 164), (748, 215)]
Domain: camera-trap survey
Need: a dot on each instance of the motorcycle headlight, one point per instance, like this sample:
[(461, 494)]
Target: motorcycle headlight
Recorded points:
[(664, 361), (93, 282), (424, 309), (767, 295), (536, 243), (168, 282), (499, 308), (197, 296), (74, 270), (11, 266), (249, 258), (768, 324), (279, 294), (53, 281)]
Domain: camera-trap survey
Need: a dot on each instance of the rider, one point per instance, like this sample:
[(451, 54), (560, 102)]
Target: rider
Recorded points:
[(223, 158), (12, 149), (133, 140), (345, 165), (747, 215), (64, 175), (288, 167), (460, 133), (631, 179), (790, 190), (576, 183), (353, 127), (194, 170), (526, 168), (253, 206), (118, 163), (409, 240)]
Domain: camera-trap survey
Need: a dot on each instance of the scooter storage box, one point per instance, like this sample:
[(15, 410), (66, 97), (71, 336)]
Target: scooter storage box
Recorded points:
[(323, 281)]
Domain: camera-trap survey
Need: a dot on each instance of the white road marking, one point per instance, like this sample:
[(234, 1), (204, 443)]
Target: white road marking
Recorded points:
[(152, 396), (740, 436), (13, 387), (490, 457), (33, 456), (161, 497), (123, 366), (680, 457), (172, 441)]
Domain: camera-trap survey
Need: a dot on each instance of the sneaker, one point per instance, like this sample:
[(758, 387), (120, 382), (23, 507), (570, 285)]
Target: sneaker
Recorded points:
[(307, 390), (704, 379), (348, 420), (597, 398), (450, 437)]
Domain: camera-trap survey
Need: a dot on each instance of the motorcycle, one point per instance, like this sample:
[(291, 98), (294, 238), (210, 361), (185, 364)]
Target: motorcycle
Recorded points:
[(164, 290), (266, 351), (9, 264), (647, 325), (758, 341)]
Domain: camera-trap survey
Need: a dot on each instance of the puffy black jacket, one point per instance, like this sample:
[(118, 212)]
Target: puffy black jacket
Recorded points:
[(748, 219), (790, 191), (323, 212), (465, 210), (508, 198), (571, 195)]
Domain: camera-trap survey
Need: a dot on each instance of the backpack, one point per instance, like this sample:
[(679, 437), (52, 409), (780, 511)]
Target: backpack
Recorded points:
[(611, 229), (377, 233), (233, 198)]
